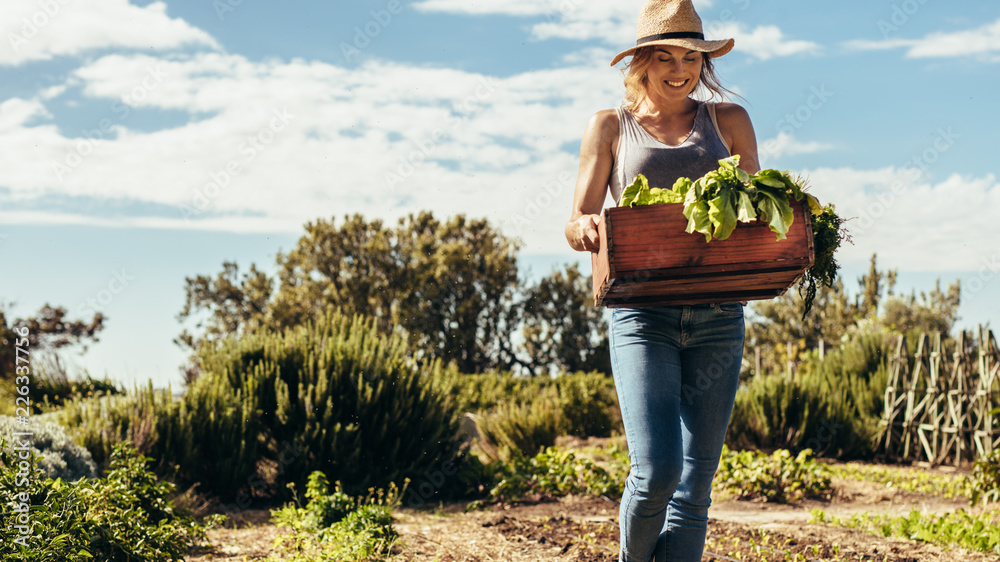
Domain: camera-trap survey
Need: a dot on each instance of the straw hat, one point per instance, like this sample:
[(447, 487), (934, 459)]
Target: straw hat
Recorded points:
[(673, 22)]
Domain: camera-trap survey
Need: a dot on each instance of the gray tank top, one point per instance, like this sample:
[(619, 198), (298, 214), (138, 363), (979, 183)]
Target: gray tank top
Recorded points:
[(662, 164)]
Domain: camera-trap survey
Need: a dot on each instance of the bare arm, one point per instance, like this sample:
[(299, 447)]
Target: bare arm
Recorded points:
[(596, 162), (737, 130)]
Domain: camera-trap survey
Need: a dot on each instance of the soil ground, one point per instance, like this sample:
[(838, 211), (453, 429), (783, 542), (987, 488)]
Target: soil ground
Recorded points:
[(585, 529)]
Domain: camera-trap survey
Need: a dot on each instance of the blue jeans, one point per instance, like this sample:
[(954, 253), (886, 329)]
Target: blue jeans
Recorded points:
[(676, 370)]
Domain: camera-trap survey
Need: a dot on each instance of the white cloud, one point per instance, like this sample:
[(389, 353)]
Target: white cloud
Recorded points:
[(457, 142), (534, 7), (765, 41), (981, 42), (785, 144), (15, 112), (614, 23), (40, 30), (913, 224)]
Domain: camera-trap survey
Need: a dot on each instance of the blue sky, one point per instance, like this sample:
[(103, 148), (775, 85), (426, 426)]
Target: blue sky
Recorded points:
[(145, 142)]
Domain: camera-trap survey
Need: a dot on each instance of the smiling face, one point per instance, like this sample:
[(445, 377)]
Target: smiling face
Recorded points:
[(673, 72)]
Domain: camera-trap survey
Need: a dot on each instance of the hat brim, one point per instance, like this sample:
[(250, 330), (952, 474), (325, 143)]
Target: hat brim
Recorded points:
[(711, 48)]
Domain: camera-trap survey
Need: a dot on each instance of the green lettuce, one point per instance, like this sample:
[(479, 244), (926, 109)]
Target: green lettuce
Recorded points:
[(717, 201)]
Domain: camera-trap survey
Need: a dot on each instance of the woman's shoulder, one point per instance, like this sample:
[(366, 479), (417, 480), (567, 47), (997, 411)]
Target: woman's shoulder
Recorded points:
[(605, 118), (731, 113), (604, 124)]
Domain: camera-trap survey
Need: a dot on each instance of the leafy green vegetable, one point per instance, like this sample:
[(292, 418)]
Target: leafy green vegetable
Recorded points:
[(639, 193), (828, 233), (717, 201)]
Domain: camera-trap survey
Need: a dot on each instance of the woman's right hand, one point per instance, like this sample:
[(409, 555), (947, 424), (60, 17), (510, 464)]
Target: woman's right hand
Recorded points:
[(596, 161), (583, 235)]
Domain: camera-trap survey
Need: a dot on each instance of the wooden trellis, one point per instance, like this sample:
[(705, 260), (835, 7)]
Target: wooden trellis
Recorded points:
[(939, 406)]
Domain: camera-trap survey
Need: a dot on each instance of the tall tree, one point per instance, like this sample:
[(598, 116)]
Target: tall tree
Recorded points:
[(777, 322), (562, 328), (48, 330), (936, 311), (233, 304), (772, 324), (450, 286)]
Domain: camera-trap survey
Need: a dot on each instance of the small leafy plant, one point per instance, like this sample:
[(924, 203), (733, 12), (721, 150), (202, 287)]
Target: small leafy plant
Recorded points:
[(554, 472), (126, 515), (974, 531), (908, 479), (984, 480), (779, 477), (336, 526)]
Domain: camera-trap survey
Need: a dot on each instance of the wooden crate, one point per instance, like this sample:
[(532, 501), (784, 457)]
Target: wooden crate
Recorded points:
[(646, 258)]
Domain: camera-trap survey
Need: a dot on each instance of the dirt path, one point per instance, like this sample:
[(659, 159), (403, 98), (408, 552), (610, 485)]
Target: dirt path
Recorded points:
[(584, 529)]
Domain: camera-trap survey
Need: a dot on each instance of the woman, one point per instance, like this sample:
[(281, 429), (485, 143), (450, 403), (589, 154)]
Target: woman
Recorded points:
[(676, 368)]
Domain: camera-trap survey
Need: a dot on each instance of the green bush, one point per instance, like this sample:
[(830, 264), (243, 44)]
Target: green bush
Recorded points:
[(347, 398), (336, 394), (587, 403), (127, 515), (214, 438), (830, 406), (100, 423), (59, 456), (518, 428), (779, 477), (485, 391), (208, 437)]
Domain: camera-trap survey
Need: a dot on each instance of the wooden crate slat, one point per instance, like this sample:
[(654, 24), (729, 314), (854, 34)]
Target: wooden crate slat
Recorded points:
[(647, 258)]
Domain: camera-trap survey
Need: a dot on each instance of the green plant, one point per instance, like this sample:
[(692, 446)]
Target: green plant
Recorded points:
[(554, 472), (779, 477), (349, 398), (126, 515), (100, 423), (484, 391), (335, 526), (208, 437), (717, 201), (974, 531), (908, 479), (831, 406), (336, 393), (518, 428), (59, 456), (586, 405), (984, 479), (322, 508)]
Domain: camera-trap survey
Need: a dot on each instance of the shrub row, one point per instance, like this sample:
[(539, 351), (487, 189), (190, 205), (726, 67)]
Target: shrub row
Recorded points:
[(334, 395), (526, 414), (831, 406)]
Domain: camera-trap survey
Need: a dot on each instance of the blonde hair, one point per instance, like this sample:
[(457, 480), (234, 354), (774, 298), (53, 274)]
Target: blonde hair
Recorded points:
[(636, 80)]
